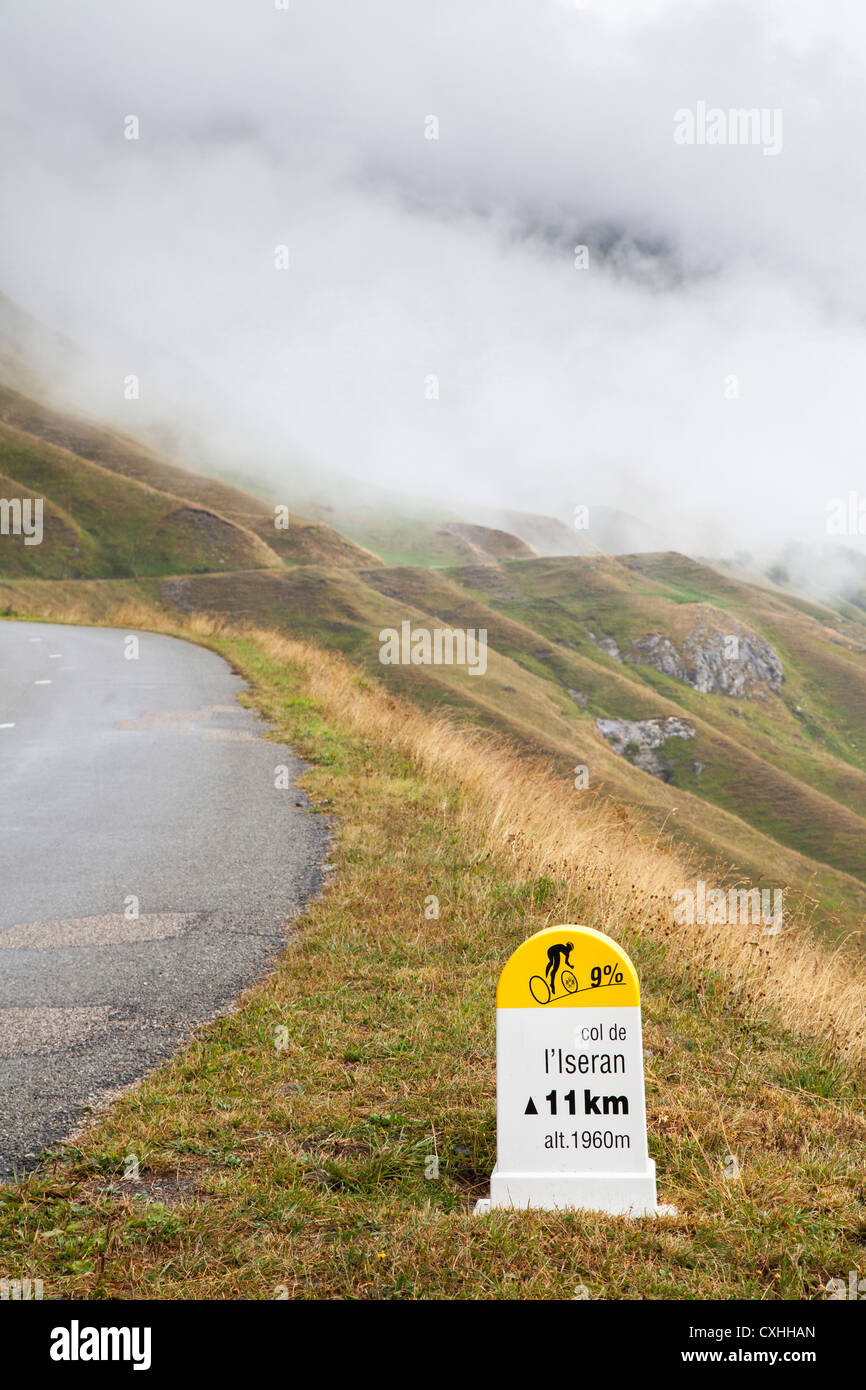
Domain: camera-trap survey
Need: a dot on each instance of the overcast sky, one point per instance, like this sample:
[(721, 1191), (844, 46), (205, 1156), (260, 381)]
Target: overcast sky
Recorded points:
[(412, 258)]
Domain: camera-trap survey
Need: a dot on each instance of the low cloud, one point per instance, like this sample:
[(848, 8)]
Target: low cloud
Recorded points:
[(435, 330)]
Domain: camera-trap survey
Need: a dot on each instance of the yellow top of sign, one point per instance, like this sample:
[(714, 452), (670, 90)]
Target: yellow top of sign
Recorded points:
[(570, 966)]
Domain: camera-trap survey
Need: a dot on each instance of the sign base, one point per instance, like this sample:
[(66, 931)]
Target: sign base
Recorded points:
[(619, 1194)]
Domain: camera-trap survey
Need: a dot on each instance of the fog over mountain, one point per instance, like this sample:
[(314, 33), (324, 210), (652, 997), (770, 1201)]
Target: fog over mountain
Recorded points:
[(430, 170)]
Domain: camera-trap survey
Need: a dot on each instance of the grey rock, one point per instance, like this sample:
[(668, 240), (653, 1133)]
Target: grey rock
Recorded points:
[(704, 661), (641, 739), (608, 645)]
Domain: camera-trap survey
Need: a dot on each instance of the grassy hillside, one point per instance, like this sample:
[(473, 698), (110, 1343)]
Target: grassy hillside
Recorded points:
[(423, 536), (775, 759), (306, 542), (344, 612), (345, 1163), (99, 524), (781, 769), (768, 790)]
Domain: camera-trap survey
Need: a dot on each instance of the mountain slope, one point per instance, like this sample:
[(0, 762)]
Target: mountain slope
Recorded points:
[(100, 524), (303, 541), (765, 771)]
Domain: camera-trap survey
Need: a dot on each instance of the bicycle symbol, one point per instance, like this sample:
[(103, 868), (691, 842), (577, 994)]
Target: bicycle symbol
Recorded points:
[(541, 991)]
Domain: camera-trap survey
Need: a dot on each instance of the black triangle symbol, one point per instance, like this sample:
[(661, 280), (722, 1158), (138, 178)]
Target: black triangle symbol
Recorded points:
[(530, 1108)]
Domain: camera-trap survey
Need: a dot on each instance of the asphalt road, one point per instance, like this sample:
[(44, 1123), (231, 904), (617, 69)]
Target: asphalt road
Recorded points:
[(129, 786)]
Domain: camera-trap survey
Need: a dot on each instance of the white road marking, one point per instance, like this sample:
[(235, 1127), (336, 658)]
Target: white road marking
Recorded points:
[(7, 726), (42, 682)]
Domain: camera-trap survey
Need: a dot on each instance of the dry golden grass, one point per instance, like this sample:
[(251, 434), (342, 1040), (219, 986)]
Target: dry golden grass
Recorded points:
[(540, 826), (618, 881)]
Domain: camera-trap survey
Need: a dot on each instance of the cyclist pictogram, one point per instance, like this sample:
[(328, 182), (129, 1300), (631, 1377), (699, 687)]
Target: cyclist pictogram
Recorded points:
[(543, 988)]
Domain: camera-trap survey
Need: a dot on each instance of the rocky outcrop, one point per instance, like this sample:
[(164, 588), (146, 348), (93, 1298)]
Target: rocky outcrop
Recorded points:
[(719, 655), (639, 740), (608, 645)]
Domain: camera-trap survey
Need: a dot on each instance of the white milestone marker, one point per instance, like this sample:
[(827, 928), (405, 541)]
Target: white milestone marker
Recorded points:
[(571, 1114)]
